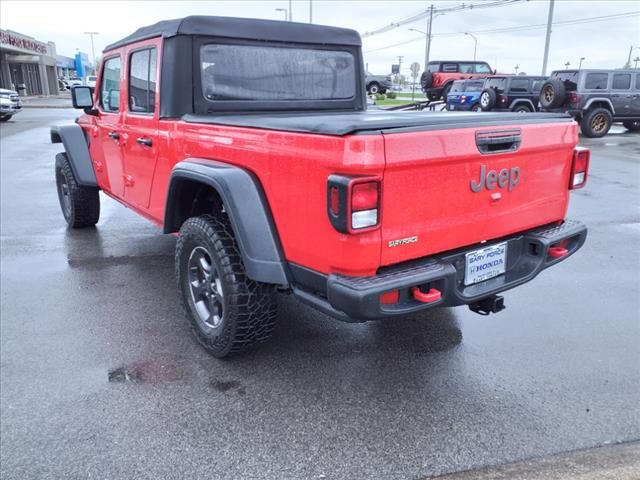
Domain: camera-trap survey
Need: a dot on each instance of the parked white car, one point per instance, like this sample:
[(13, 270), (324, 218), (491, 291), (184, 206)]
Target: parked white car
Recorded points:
[(9, 104), (90, 81)]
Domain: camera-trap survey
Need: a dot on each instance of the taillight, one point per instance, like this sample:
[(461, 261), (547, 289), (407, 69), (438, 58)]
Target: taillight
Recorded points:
[(574, 99), (353, 203), (463, 98), (579, 168)]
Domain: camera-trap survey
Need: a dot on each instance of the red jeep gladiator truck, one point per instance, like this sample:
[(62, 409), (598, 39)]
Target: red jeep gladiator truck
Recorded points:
[(250, 141)]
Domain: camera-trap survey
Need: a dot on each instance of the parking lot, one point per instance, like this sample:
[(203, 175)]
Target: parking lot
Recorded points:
[(101, 377)]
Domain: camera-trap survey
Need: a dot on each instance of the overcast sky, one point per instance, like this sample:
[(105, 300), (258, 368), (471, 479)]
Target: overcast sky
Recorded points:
[(603, 44)]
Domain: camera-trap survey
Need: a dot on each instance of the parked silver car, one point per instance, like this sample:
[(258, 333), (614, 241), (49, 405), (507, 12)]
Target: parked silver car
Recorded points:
[(9, 104)]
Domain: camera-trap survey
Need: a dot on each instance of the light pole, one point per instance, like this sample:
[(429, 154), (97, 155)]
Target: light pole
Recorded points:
[(286, 13), (475, 43), (290, 11), (426, 52), (566, 65), (93, 49), (310, 11), (580, 64), (636, 60), (517, 67)]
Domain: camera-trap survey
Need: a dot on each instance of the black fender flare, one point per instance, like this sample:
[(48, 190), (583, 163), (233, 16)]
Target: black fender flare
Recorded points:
[(75, 144), (248, 210)]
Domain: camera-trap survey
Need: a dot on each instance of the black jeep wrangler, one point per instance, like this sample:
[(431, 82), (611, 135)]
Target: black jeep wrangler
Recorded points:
[(511, 94), (595, 98)]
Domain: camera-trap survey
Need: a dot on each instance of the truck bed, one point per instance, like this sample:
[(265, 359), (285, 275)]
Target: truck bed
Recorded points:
[(346, 123)]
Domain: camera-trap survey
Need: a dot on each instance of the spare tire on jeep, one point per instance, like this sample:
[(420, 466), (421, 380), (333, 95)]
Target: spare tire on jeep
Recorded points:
[(553, 93), (488, 99), (426, 80)]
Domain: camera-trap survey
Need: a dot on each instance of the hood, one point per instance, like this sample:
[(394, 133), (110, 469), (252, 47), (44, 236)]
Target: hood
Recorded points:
[(8, 92)]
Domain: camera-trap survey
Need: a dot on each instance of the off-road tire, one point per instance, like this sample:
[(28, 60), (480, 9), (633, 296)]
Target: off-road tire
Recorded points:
[(476, 108), (6, 118), (553, 93), (596, 122), (522, 108), (374, 88), (632, 125), (488, 99), (248, 307), (80, 205), (426, 80)]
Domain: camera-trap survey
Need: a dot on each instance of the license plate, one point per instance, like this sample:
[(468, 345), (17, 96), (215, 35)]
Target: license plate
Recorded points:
[(486, 263)]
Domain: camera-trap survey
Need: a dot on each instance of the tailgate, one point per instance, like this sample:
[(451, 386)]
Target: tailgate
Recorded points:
[(445, 189)]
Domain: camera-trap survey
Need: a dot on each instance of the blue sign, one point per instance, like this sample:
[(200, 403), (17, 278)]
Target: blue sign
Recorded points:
[(79, 65)]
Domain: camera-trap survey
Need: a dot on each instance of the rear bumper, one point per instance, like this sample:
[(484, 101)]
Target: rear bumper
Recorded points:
[(459, 107), (358, 298)]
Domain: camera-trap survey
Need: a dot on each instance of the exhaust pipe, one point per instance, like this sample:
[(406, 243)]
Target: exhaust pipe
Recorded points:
[(492, 304)]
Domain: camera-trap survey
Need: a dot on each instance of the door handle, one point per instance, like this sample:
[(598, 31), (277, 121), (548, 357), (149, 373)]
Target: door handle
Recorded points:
[(147, 142), (114, 135)]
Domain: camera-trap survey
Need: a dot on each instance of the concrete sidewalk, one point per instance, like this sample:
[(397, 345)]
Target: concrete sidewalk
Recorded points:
[(51, 101), (611, 462)]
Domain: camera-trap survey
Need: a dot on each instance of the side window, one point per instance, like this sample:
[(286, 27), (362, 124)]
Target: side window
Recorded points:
[(596, 81), (482, 68), (142, 81), (638, 81), (519, 85), (621, 81), (433, 67), (110, 87), (449, 67), (467, 68)]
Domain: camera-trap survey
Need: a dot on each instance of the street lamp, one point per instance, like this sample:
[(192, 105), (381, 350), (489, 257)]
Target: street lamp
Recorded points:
[(93, 49), (580, 64), (517, 67), (475, 43), (636, 60), (566, 65), (426, 48), (286, 13)]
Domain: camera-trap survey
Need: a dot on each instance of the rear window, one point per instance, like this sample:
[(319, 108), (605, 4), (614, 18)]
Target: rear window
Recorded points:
[(433, 67), (247, 72), (596, 81), (570, 79), (498, 83), (475, 86), (536, 85), (457, 87)]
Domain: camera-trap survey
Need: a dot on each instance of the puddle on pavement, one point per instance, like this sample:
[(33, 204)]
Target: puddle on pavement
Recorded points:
[(148, 371)]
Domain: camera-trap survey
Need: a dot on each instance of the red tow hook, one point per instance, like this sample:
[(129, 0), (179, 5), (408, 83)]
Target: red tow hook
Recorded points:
[(557, 252), (431, 296)]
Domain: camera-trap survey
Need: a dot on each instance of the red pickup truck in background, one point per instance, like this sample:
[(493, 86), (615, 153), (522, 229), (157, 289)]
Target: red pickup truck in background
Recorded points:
[(250, 140), (437, 79)]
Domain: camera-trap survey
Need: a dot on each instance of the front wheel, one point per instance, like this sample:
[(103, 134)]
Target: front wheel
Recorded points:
[(80, 205), (522, 109), (374, 88), (596, 123), (6, 118), (229, 313)]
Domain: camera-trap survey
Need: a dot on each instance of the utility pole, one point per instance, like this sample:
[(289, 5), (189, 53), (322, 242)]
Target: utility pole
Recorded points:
[(310, 11), (580, 64), (428, 46), (548, 38), (93, 50), (290, 12), (400, 57), (636, 60)]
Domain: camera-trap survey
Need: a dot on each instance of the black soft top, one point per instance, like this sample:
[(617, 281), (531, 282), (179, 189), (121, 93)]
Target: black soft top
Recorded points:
[(244, 28)]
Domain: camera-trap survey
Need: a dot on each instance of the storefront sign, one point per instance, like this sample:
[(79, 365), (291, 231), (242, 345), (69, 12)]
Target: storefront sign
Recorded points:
[(7, 38)]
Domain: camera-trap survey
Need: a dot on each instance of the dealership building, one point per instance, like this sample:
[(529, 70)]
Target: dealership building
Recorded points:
[(27, 65)]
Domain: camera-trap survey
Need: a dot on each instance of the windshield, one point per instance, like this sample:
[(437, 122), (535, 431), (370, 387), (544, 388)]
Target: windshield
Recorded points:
[(474, 86), (248, 72), (457, 87)]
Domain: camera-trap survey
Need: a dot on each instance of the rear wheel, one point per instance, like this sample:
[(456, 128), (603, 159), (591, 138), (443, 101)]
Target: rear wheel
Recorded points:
[(522, 108), (476, 108), (80, 205), (633, 125), (596, 123), (229, 313)]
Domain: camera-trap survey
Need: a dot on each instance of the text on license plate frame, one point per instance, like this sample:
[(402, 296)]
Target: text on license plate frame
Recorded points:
[(489, 262)]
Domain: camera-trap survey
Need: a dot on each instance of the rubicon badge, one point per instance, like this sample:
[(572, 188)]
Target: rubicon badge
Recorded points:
[(403, 241)]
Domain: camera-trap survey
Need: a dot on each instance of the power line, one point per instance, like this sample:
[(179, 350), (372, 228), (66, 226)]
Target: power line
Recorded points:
[(438, 11), (577, 21)]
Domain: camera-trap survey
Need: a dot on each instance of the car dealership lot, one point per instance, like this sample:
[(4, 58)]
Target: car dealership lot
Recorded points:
[(100, 377)]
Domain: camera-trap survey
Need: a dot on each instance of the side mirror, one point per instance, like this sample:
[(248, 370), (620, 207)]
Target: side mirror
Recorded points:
[(81, 97)]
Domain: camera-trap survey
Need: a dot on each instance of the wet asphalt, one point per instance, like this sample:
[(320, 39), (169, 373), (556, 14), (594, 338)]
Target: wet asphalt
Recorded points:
[(100, 377)]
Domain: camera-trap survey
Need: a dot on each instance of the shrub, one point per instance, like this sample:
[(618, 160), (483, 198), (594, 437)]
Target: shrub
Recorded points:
[(391, 95), (381, 96)]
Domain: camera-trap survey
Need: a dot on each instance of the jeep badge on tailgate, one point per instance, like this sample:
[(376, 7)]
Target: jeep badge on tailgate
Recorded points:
[(507, 177)]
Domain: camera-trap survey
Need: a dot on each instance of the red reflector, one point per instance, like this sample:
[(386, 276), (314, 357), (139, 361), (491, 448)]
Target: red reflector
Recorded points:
[(335, 201), (364, 196), (503, 99), (389, 298)]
